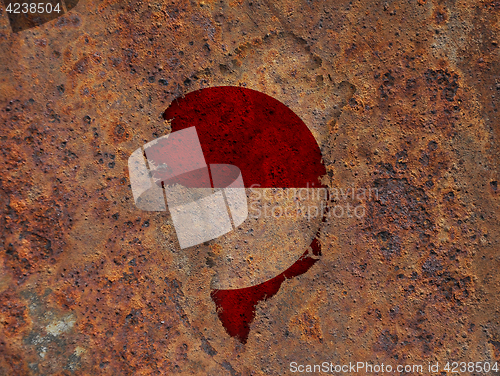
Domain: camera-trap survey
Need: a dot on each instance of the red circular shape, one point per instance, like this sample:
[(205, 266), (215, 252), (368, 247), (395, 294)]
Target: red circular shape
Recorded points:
[(266, 140), (273, 148)]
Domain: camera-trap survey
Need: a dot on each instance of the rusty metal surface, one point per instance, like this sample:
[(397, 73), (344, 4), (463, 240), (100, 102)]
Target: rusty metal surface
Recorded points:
[(401, 97)]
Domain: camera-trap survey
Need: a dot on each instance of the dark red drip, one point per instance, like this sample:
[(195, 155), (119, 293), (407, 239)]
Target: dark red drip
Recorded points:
[(236, 308)]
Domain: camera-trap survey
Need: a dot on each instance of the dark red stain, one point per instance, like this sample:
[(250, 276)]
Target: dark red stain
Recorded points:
[(236, 308), (253, 131), (273, 148)]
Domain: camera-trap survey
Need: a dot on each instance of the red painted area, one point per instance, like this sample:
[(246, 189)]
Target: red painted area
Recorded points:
[(273, 148), (253, 131), (236, 308)]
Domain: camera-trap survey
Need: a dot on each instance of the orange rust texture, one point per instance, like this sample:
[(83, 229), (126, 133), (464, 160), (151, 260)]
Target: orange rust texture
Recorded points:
[(401, 96)]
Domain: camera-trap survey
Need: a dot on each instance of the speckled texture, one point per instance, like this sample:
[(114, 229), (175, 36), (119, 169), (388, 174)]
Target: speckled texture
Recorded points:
[(400, 96)]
